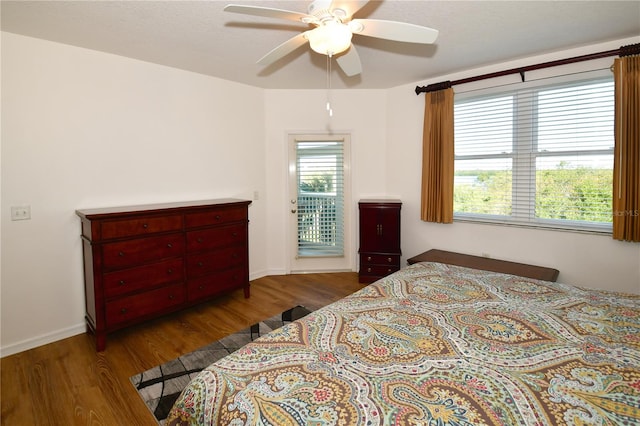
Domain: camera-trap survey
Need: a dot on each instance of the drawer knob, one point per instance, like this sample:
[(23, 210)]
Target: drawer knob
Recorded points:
[(169, 245), (171, 297), (121, 282), (368, 258), (218, 217), (389, 259), (169, 271), (368, 269), (200, 264), (235, 234), (121, 254), (200, 287), (200, 239), (145, 225), (123, 311)]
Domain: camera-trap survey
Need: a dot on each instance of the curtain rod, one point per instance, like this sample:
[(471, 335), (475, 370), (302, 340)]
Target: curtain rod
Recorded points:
[(632, 49)]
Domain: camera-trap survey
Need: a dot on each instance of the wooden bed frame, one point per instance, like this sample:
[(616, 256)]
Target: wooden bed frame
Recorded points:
[(486, 264)]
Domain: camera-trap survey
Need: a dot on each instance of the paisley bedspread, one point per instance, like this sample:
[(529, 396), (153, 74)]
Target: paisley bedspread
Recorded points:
[(436, 345)]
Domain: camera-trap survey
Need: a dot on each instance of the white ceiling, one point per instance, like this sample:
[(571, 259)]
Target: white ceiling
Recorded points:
[(200, 37)]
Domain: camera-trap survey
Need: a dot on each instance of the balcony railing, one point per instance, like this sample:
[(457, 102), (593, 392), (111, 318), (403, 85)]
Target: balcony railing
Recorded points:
[(319, 224)]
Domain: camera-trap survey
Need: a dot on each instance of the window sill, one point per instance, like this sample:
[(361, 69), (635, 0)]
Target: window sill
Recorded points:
[(575, 227)]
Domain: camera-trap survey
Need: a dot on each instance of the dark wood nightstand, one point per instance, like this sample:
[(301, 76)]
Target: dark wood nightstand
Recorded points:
[(379, 238)]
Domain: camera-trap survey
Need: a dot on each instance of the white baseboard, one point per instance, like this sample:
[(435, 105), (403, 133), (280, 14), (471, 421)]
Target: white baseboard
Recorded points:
[(258, 274), (43, 339)]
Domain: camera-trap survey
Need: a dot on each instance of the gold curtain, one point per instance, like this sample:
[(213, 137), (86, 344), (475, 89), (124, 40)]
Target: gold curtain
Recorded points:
[(626, 167), (437, 157)]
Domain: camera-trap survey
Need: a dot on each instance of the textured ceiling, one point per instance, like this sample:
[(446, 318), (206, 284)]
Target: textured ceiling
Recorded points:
[(200, 37)]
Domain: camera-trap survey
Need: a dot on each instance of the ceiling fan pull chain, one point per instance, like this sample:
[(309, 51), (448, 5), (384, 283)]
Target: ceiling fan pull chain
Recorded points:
[(329, 109)]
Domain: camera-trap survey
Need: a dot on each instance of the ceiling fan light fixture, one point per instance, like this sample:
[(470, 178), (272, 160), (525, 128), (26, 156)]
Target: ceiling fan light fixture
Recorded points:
[(330, 38)]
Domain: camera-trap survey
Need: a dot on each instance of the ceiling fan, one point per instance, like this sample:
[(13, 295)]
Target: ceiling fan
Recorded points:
[(333, 28)]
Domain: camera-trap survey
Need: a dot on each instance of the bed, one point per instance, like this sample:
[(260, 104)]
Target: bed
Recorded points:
[(436, 344)]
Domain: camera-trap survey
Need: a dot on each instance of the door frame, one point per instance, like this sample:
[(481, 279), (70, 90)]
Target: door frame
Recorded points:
[(296, 265)]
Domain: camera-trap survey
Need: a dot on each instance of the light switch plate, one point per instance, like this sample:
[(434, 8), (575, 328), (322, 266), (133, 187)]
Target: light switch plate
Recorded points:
[(20, 212)]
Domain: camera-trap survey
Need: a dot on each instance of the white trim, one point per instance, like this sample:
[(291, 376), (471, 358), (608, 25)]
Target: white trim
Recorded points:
[(548, 224), (43, 339), (259, 274)]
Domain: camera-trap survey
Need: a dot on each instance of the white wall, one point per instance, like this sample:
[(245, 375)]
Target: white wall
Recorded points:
[(583, 259), (84, 129)]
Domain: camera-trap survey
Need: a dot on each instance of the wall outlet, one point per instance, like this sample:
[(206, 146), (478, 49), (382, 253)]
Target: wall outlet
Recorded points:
[(20, 212)]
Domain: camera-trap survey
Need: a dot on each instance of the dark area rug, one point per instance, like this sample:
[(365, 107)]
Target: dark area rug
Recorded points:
[(159, 387)]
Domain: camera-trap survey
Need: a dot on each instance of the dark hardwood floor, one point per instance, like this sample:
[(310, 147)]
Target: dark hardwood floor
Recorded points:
[(69, 383)]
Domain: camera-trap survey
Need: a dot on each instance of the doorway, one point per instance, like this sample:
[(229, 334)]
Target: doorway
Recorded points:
[(319, 200)]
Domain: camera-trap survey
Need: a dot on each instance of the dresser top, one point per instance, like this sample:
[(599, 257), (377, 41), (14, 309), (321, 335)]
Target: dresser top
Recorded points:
[(97, 212), (379, 201)]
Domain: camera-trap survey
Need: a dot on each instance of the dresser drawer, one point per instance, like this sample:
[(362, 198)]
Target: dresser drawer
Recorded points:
[(210, 285), (141, 250), (216, 217), (214, 261), (224, 236), (144, 304), (143, 277), (140, 226), (379, 259)]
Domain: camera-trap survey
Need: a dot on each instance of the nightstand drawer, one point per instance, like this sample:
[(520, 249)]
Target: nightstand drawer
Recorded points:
[(379, 259), (377, 270), (144, 277)]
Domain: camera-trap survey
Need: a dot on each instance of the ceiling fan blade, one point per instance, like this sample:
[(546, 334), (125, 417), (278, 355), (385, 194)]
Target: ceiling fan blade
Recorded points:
[(393, 30), (349, 6), (283, 49), (269, 12), (350, 62)]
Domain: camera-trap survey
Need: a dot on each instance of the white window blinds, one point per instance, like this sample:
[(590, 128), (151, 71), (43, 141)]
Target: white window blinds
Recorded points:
[(320, 202), (541, 155)]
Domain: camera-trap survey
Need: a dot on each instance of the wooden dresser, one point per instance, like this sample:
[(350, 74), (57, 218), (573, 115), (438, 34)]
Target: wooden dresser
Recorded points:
[(379, 238), (141, 262)]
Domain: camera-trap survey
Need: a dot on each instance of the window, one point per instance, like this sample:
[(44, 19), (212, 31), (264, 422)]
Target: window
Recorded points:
[(540, 155)]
